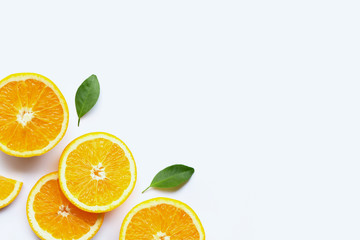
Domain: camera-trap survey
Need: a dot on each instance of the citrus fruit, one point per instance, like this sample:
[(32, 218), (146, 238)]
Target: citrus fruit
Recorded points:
[(162, 219), (33, 115), (10, 189), (97, 172), (52, 217)]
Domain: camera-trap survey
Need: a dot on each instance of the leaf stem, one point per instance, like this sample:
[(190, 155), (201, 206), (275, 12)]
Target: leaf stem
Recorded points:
[(146, 189), (79, 122)]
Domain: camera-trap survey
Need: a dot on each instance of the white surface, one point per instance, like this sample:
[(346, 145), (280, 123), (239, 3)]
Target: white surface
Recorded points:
[(261, 97)]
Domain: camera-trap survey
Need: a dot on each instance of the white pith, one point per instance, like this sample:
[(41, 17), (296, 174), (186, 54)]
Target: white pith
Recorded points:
[(156, 201), (98, 172), (62, 168), (12, 196), (43, 234), (24, 116), (48, 83), (161, 236), (64, 211)]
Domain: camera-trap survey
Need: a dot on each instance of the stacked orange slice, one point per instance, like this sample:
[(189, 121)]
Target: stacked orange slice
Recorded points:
[(53, 217)]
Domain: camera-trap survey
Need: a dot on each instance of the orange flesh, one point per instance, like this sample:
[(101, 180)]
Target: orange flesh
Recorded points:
[(7, 187), (161, 221), (50, 204), (97, 172), (20, 99)]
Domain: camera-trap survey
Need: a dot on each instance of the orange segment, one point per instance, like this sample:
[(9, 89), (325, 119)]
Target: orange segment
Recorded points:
[(162, 219), (10, 189), (52, 216), (33, 115), (97, 172)]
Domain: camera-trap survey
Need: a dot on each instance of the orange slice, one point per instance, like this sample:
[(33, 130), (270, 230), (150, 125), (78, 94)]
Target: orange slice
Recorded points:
[(97, 172), (162, 219), (10, 189), (52, 217), (33, 115)]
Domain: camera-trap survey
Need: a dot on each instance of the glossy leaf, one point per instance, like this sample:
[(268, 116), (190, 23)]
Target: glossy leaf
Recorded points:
[(172, 176), (87, 95)]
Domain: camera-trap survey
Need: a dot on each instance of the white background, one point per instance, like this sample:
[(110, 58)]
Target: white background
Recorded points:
[(260, 97)]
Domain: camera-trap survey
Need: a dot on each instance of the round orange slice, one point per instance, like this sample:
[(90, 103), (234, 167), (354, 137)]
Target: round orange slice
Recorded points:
[(97, 172), (52, 217), (33, 115), (162, 219), (10, 189)]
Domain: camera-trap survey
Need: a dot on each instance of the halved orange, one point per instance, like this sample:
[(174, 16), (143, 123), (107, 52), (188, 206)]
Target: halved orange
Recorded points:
[(52, 217), (33, 115), (162, 219), (97, 172), (9, 190)]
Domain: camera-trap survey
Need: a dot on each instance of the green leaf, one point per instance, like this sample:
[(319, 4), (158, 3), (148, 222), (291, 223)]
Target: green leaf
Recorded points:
[(172, 176), (87, 96)]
